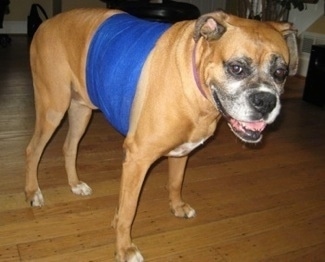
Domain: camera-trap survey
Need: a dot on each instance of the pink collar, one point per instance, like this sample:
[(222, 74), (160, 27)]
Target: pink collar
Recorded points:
[(195, 72)]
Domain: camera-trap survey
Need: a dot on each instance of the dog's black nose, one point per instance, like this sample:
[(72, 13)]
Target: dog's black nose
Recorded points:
[(263, 102)]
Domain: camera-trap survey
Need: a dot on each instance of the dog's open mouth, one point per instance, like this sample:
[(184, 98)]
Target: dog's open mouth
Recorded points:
[(249, 132)]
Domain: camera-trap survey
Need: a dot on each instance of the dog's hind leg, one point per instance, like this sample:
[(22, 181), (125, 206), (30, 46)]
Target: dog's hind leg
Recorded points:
[(48, 119), (176, 168), (79, 116)]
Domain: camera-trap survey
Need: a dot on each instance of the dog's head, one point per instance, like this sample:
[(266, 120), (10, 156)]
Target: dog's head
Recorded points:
[(243, 65)]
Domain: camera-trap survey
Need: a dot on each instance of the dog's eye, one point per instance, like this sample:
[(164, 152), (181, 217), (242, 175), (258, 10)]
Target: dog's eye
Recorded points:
[(280, 74), (236, 69)]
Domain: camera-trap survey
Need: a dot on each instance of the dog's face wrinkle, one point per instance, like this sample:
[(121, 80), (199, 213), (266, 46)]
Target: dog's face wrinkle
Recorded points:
[(218, 104), (229, 104)]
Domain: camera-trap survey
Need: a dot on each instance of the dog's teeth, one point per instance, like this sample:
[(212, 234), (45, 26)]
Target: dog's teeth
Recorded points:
[(254, 126)]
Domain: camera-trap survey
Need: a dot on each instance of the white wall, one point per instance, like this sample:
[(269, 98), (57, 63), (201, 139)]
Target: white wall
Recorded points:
[(303, 19)]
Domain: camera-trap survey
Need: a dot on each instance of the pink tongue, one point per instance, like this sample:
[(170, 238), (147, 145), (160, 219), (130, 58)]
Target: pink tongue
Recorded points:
[(254, 126)]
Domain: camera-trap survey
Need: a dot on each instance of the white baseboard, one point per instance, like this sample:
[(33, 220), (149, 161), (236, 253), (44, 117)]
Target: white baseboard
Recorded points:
[(14, 27), (303, 64)]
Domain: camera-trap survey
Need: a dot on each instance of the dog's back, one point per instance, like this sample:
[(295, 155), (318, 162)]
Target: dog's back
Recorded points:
[(58, 51)]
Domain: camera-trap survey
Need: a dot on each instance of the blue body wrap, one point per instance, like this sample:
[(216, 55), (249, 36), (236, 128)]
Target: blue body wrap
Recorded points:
[(115, 59)]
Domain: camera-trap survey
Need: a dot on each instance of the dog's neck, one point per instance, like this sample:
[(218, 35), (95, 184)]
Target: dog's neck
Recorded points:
[(195, 72)]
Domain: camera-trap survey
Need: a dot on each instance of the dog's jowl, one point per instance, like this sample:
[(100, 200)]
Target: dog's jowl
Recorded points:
[(163, 86)]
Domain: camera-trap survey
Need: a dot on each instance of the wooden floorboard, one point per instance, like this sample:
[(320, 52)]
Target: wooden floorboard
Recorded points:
[(254, 203)]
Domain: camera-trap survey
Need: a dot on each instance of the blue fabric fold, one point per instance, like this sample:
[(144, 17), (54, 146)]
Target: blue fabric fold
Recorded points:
[(117, 53)]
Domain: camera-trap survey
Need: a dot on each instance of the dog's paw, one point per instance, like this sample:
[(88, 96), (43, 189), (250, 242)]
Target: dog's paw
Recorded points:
[(183, 210), (37, 200), (132, 254), (82, 189)]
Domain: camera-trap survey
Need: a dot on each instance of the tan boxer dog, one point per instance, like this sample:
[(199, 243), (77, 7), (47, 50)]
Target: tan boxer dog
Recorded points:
[(197, 72)]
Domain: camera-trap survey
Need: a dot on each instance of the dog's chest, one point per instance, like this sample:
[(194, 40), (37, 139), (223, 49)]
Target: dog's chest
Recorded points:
[(117, 53), (185, 148)]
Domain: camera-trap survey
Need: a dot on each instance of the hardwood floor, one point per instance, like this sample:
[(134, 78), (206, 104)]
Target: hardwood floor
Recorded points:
[(253, 203)]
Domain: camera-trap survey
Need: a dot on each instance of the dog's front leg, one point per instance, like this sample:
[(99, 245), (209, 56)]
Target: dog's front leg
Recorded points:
[(176, 176), (134, 172)]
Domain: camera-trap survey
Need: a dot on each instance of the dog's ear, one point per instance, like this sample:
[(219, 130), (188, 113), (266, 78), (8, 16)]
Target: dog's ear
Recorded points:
[(290, 36), (210, 26)]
